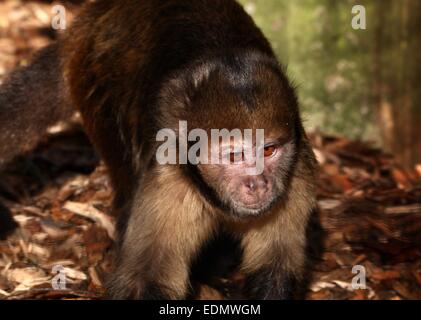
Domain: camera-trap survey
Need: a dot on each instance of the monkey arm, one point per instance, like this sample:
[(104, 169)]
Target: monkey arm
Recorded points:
[(275, 247), (167, 226), (272, 283)]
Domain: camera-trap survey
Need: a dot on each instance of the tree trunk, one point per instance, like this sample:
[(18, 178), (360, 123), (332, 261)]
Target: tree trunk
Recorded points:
[(397, 78)]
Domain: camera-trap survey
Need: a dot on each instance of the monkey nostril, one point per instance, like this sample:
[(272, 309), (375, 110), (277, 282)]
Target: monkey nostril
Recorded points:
[(251, 185)]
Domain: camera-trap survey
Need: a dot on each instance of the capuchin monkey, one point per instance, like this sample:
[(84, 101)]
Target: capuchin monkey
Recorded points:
[(135, 67)]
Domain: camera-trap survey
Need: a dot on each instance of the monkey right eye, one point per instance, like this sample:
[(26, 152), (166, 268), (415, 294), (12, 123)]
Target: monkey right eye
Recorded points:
[(269, 151)]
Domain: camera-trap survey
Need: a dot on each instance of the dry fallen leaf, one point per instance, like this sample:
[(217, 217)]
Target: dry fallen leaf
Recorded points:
[(90, 212)]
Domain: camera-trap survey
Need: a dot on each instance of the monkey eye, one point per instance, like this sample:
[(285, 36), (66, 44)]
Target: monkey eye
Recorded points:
[(269, 151)]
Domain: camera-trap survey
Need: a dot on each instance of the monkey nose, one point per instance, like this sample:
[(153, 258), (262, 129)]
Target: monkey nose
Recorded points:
[(251, 185), (255, 184)]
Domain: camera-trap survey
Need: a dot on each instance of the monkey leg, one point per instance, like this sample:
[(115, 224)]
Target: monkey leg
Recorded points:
[(166, 228), (276, 275)]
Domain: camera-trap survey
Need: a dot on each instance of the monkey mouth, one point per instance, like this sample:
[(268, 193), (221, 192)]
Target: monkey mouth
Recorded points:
[(252, 206), (259, 208), (253, 202)]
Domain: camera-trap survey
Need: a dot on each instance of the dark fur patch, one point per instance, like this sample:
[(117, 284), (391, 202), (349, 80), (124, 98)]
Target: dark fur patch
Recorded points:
[(217, 259), (32, 98), (7, 224)]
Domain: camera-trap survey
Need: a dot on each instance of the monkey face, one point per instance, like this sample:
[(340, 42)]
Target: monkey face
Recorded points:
[(244, 194)]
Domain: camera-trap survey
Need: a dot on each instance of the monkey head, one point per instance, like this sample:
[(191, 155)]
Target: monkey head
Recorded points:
[(239, 95)]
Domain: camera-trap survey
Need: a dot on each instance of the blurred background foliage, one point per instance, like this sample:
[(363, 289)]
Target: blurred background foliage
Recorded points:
[(363, 84)]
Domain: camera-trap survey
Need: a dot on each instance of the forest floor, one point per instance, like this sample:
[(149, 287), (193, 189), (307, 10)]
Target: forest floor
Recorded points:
[(59, 196)]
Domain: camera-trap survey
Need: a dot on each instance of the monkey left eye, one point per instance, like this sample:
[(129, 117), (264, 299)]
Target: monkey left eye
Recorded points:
[(269, 151)]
